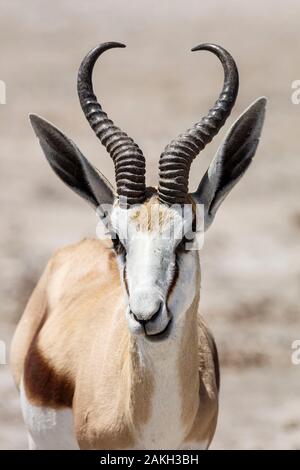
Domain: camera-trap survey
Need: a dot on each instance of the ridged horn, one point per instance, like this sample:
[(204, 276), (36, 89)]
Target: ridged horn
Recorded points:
[(128, 158), (176, 159)]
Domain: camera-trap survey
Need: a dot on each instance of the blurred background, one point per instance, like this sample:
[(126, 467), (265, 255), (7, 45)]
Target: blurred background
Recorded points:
[(155, 89)]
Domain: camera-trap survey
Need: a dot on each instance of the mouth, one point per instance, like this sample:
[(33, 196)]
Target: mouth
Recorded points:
[(162, 335)]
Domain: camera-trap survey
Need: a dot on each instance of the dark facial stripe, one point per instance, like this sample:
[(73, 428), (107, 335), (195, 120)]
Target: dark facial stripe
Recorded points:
[(125, 280), (174, 279)]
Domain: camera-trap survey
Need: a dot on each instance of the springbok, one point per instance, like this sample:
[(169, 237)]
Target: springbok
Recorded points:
[(111, 351)]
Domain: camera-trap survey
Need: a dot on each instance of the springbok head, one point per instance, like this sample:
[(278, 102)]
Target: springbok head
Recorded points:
[(150, 227)]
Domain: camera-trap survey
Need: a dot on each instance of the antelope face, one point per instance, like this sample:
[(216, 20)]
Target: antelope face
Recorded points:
[(159, 273), (154, 244)]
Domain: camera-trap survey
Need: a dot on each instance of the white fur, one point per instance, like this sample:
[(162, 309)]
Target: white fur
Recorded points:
[(150, 266), (48, 429), (165, 429)]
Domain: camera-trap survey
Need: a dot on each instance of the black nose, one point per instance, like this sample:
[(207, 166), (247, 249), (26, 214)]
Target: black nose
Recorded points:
[(140, 318)]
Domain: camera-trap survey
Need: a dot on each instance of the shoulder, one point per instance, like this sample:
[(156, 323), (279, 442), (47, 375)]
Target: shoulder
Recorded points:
[(87, 248), (80, 258), (83, 264)]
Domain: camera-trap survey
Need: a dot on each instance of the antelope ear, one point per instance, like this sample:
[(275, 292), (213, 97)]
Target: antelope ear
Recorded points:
[(71, 166), (232, 160)]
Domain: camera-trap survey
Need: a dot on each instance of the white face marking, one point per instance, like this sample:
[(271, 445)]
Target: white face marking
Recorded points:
[(151, 263), (48, 429)]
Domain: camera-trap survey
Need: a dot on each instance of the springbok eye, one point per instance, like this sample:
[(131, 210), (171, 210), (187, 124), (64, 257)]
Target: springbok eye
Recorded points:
[(117, 244)]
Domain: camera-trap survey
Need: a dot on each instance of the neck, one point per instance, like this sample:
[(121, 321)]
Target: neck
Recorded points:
[(164, 383), (143, 389)]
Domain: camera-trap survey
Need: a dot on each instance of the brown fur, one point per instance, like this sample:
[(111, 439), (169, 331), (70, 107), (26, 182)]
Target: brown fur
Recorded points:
[(44, 385)]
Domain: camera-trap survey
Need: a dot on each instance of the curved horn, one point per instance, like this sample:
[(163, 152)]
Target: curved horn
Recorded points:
[(128, 158), (176, 159)]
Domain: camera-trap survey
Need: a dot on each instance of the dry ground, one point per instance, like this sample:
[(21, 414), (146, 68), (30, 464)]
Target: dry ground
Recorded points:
[(155, 89)]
